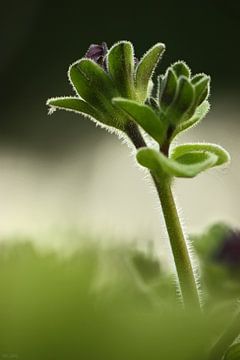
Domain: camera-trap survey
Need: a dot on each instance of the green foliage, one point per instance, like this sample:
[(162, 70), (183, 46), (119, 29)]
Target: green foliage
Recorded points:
[(199, 114), (91, 82), (180, 94), (221, 155), (167, 89), (201, 89), (182, 102), (96, 84), (120, 62), (114, 89), (117, 92), (114, 303), (111, 303), (145, 116), (145, 69), (186, 160), (180, 68), (76, 105)]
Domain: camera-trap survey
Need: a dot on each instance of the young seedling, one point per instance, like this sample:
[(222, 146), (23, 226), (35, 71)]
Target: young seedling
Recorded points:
[(116, 90)]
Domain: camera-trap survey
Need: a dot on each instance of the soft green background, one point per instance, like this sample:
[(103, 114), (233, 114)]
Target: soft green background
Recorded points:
[(114, 303)]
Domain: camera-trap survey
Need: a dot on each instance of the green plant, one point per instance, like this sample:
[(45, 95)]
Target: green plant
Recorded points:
[(116, 90)]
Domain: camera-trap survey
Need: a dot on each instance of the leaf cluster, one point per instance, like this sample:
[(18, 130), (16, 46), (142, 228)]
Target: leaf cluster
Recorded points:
[(122, 94)]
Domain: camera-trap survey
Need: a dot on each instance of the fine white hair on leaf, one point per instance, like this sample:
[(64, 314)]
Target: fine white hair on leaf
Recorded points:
[(146, 53), (51, 110), (192, 126), (184, 63), (69, 71), (116, 44), (69, 78)]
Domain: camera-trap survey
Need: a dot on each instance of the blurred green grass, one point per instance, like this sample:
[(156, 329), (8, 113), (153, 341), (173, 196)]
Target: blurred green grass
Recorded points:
[(112, 303)]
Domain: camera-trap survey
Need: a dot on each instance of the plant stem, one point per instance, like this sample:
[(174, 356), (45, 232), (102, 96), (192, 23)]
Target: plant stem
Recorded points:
[(180, 252), (134, 135), (177, 240), (227, 338)]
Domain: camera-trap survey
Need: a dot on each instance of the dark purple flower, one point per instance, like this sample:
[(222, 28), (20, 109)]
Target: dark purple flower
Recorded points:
[(98, 53), (229, 251)]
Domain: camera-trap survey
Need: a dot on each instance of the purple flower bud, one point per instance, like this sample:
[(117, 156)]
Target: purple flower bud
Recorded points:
[(229, 251), (98, 53)]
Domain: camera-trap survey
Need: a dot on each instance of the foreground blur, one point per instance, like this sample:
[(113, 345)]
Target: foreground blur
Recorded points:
[(113, 303)]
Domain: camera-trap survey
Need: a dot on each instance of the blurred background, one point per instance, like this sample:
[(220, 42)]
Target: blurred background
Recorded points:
[(61, 172)]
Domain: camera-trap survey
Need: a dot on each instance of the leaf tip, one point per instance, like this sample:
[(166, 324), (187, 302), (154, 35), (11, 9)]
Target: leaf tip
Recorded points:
[(51, 107), (160, 46)]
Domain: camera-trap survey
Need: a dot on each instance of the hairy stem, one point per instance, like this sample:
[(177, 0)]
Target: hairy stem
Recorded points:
[(134, 135), (227, 338), (178, 243), (177, 240)]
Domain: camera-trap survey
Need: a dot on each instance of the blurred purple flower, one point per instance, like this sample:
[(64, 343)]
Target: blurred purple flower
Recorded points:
[(98, 53), (229, 251)]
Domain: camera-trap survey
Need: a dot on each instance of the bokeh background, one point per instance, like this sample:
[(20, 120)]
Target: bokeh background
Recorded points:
[(61, 173)]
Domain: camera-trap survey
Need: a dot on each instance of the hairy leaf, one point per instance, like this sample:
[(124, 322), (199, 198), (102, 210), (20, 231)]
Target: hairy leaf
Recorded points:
[(145, 69), (92, 84), (196, 78), (187, 166), (121, 67), (144, 116), (183, 101), (74, 104), (221, 154), (181, 69), (202, 90), (167, 89), (199, 114)]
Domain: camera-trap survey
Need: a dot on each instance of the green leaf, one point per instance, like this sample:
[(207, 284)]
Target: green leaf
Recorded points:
[(93, 84), (199, 114), (196, 78), (145, 69), (202, 89), (167, 89), (221, 154), (74, 104), (181, 69), (144, 116), (187, 166), (183, 101), (233, 352), (120, 62)]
